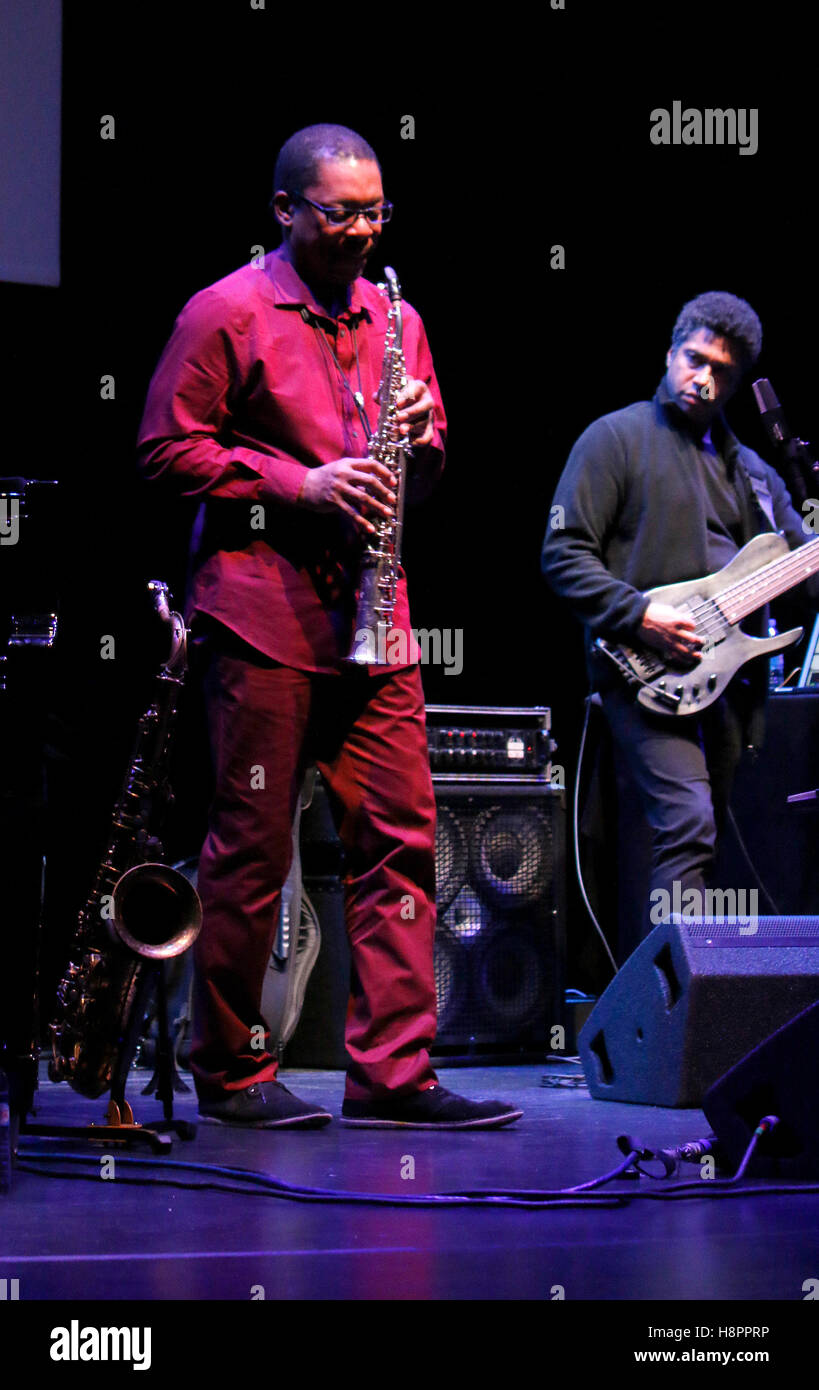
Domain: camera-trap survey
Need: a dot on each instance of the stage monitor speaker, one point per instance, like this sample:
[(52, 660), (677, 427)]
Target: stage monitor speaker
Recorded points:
[(500, 939), (692, 1000), (779, 1078)]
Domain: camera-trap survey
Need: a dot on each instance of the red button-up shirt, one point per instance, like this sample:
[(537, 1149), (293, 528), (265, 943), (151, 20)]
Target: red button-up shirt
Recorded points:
[(246, 398)]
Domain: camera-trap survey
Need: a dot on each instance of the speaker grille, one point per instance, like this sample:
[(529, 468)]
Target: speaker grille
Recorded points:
[(451, 856), (512, 855), (745, 931), (499, 945), (512, 980)]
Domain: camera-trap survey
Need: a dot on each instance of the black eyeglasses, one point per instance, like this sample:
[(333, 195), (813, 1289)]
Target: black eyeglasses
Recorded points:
[(347, 217)]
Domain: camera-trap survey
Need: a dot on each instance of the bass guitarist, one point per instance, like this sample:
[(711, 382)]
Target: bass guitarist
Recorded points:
[(654, 494)]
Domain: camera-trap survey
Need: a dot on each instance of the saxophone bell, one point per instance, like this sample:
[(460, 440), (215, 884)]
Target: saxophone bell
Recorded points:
[(155, 911)]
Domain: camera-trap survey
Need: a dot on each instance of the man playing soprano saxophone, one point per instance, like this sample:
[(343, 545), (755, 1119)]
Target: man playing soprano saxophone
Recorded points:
[(262, 405)]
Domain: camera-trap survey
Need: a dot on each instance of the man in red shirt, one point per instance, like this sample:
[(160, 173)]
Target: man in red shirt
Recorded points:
[(262, 405)]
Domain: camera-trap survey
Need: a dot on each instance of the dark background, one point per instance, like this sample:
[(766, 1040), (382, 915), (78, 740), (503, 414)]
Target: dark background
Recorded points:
[(528, 132)]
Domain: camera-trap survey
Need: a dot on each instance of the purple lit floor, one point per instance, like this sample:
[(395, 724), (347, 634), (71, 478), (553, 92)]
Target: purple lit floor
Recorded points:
[(64, 1238)]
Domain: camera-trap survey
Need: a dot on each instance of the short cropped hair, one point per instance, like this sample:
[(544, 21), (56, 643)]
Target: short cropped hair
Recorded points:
[(724, 315), (300, 156)]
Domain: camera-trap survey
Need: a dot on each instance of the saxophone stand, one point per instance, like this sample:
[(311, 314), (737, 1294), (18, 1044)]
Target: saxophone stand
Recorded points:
[(121, 1127), (139, 898), (166, 1078), (163, 1083)]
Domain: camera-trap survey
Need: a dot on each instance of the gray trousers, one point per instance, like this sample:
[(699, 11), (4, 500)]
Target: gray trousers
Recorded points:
[(675, 775)]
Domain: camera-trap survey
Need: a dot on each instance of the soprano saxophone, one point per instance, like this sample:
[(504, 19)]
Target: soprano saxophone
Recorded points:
[(378, 580), (139, 909)]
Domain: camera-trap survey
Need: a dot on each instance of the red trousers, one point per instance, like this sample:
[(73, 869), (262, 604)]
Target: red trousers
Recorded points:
[(366, 734)]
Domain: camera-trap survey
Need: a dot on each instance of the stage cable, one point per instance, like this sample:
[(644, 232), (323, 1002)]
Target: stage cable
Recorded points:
[(576, 836), (583, 1194), (749, 861)]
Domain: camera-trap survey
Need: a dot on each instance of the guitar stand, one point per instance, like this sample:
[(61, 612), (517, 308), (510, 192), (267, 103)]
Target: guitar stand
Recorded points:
[(121, 1127)]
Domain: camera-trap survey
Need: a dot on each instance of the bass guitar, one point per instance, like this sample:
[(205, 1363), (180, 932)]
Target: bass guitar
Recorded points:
[(759, 572)]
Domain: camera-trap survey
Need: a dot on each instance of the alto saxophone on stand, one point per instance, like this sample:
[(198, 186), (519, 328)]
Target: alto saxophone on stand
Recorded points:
[(378, 580), (140, 910)]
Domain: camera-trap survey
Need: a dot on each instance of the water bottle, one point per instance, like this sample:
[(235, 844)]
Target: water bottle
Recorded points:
[(776, 664)]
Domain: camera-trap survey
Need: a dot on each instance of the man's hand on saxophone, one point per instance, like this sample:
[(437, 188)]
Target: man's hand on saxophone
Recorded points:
[(361, 487), (416, 413)]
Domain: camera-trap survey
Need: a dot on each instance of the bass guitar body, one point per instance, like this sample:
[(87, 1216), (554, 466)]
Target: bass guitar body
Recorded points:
[(665, 687)]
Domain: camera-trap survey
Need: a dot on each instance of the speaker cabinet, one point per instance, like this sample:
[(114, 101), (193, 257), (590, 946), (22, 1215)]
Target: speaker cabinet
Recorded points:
[(500, 863), (780, 837), (318, 1039), (692, 1000), (500, 939)]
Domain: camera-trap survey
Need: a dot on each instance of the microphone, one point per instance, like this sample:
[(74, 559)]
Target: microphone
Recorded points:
[(802, 468), (773, 416)]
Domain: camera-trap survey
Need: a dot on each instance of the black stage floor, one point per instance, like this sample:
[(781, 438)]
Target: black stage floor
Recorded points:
[(64, 1238)]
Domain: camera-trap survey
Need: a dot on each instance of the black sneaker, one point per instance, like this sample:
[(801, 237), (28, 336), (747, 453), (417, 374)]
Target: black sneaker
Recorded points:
[(434, 1108), (264, 1105)]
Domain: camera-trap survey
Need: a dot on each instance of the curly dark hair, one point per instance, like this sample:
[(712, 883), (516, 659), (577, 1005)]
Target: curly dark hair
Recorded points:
[(300, 156), (725, 315)]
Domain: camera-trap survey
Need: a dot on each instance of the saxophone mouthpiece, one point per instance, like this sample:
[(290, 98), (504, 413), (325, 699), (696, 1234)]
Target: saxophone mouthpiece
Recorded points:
[(392, 286)]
